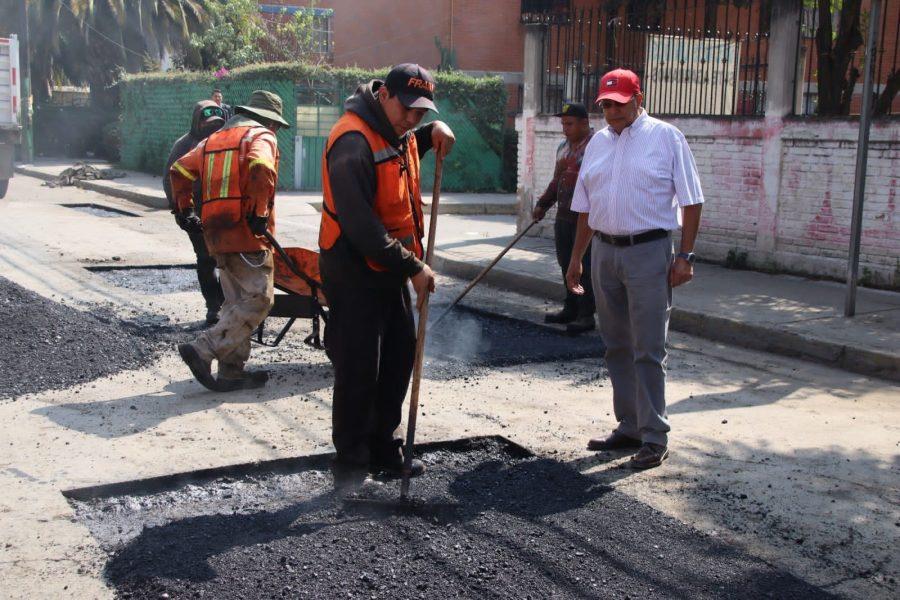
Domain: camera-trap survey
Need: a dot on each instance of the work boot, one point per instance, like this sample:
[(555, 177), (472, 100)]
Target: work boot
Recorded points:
[(566, 315), (348, 476), (581, 325), (248, 380), (199, 367), (212, 316), (390, 463)]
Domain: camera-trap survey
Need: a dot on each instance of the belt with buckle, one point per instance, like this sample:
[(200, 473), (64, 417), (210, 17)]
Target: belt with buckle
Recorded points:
[(631, 240)]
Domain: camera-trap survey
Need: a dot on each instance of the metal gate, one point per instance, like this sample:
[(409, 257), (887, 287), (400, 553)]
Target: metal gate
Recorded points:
[(318, 109)]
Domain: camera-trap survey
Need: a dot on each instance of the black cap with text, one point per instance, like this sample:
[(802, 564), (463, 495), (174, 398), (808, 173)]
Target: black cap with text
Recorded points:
[(573, 109), (413, 85)]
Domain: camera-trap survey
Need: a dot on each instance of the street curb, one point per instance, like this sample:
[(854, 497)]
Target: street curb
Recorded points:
[(109, 188), (101, 187), (460, 208), (711, 327)]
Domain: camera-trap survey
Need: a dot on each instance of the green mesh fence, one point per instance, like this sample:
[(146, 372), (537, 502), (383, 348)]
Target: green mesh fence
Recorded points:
[(473, 166), (156, 113)]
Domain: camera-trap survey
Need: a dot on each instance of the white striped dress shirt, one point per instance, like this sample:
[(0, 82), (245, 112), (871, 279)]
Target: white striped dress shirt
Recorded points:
[(637, 181)]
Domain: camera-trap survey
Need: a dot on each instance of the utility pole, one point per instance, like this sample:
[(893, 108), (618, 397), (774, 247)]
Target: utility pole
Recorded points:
[(862, 155), (25, 70)]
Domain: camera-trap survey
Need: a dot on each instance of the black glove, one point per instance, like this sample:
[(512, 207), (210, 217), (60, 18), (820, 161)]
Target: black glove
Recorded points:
[(258, 225), (189, 221)]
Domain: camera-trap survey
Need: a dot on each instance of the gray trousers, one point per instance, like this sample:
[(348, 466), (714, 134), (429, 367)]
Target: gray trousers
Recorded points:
[(634, 299)]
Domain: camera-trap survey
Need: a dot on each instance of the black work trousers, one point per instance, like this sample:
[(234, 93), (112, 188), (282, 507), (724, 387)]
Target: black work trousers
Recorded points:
[(206, 273), (564, 232), (371, 341)]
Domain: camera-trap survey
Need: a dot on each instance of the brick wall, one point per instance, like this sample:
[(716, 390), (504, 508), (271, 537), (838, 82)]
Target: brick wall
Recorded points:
[(487, 36), (779, 190)]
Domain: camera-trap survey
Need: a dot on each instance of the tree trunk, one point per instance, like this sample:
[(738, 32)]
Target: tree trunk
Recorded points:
[(886, 97), (836, 74)]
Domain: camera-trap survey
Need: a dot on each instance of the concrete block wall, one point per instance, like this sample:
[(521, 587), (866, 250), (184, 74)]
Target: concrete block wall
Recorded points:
[(779, 190)]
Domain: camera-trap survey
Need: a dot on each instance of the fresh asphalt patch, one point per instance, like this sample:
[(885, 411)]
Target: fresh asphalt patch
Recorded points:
[(98, 210), (152, 280), (487, 520), (470, 339), (47, 345)]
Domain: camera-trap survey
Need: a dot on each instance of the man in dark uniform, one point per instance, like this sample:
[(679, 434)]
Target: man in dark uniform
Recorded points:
[(577, 311), (208, 118), (371, 247)]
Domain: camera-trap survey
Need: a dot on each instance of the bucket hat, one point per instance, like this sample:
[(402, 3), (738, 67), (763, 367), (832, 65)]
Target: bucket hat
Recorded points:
[(266, 105)]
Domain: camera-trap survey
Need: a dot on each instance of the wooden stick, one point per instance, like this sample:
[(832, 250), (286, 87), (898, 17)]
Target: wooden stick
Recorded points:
[(484, 272), (420, 337)]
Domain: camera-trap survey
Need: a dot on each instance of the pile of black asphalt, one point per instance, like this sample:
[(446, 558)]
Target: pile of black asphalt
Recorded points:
[(47, 345), (486, 521)]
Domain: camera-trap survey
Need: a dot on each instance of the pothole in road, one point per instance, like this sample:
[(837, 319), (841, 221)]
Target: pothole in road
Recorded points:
[(474, 337), (150, 279), (487, 520), (98, 210)]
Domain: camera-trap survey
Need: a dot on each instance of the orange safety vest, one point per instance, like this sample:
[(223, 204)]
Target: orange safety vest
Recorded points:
[(223, 175), (398, 199)]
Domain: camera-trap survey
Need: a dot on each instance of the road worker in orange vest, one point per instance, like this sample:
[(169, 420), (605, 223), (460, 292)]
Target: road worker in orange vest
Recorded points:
[(238, 171), (371, 248)]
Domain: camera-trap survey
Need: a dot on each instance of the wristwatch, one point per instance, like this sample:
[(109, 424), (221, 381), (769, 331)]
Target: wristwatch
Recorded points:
[(688, 256)]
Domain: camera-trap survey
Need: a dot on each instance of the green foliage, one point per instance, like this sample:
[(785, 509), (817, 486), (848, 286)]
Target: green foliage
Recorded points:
[(94, 42), (230, 39), (239, 35), (448, 56)]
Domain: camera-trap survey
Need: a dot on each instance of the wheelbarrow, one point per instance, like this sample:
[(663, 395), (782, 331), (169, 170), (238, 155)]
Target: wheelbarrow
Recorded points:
[(297, 276)]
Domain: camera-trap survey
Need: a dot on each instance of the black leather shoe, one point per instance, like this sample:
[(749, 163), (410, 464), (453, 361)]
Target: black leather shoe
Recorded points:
[(649, 456), (562, 317), (199, 368), (615, 441), (581, 325)]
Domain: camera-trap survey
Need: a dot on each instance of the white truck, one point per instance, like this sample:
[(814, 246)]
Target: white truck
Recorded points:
[(10, 108)]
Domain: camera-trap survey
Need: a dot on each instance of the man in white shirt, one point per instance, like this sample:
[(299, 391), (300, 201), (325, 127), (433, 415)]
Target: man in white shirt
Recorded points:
[(638, 183)]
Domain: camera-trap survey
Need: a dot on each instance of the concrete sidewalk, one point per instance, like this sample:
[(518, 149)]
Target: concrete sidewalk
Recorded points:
[(147, 190), (774, 313)]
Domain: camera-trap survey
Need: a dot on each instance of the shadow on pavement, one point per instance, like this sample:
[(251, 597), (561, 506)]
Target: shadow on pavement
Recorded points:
[(133, 414)]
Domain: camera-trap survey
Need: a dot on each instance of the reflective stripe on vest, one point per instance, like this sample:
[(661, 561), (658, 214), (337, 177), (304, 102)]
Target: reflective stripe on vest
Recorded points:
[(398, 200), (224, 155)]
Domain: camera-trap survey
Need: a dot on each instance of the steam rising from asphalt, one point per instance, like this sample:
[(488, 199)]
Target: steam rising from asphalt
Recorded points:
[(458, 337)]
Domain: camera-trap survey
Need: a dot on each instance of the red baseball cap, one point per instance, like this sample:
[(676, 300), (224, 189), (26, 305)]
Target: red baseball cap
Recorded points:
[(619, 85)]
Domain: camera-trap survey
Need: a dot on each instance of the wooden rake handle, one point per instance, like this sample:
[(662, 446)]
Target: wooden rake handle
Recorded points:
[(420, 337)]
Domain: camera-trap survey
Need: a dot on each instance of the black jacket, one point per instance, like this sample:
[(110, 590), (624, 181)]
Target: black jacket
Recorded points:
[(351, 173), (182, 146)]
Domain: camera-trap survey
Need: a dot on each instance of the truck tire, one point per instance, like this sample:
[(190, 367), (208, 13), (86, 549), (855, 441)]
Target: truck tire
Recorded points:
[(4, 183)]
